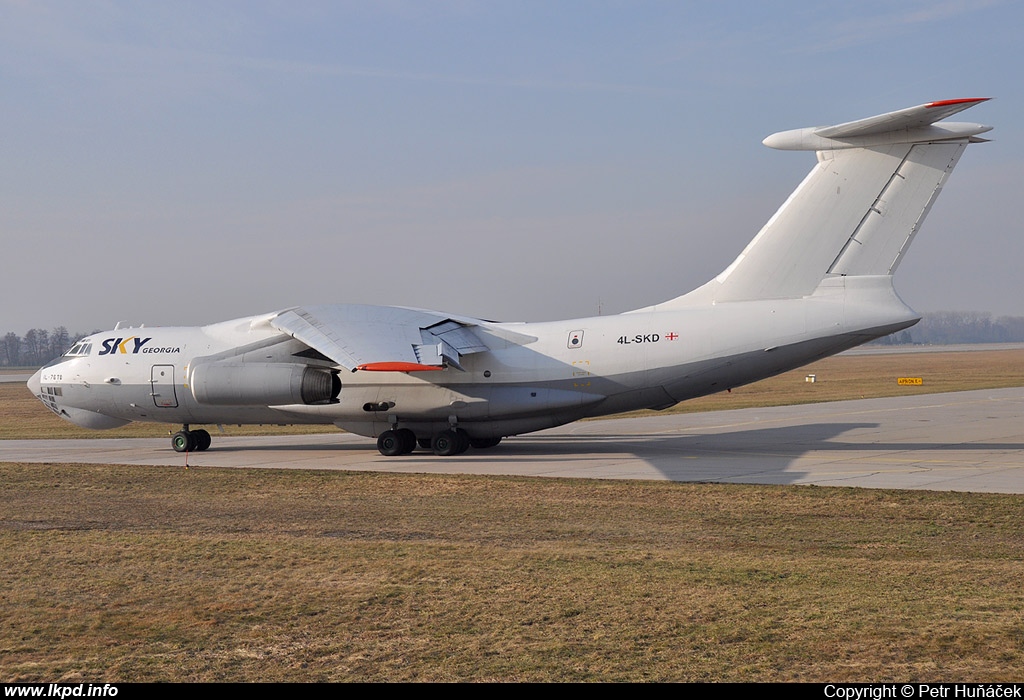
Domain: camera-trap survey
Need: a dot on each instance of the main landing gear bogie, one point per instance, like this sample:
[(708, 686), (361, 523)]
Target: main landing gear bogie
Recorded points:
[(186, 440), (446, 443), (392, 443), (450, 442)]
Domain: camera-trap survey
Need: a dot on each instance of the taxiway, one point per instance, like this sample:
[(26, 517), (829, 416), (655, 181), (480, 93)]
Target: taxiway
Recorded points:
[(964, 441)]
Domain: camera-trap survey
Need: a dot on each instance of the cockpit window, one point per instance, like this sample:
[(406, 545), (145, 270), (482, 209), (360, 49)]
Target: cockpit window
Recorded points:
[(82, 347)]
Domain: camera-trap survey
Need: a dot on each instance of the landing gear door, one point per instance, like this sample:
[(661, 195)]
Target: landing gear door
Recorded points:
[(162, 381)]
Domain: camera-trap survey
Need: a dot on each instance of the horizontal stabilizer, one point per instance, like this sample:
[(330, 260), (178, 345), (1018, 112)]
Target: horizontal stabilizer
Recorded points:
[(911, 125)]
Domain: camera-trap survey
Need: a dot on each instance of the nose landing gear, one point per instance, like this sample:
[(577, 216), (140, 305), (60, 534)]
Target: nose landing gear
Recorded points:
[(186, 440)]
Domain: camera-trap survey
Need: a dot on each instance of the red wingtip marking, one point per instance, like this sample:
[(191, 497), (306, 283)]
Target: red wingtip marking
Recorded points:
[(944, 103), (398, 367)]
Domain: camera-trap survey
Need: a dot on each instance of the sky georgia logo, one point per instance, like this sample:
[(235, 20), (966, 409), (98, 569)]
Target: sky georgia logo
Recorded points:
[(132, 345)]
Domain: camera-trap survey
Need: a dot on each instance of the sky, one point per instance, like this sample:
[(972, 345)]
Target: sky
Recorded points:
[(190, 162)]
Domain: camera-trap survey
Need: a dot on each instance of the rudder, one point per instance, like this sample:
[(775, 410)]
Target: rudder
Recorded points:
[(887, 229)]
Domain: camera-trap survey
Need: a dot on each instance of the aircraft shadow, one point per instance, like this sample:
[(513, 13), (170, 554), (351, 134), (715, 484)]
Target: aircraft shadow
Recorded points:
[(765, 455)]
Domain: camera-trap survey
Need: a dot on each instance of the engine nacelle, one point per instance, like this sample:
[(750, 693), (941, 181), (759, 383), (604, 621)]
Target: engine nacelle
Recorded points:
[(262, 384)]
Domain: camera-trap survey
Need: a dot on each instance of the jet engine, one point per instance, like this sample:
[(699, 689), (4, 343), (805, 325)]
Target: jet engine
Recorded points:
[(262, 384)]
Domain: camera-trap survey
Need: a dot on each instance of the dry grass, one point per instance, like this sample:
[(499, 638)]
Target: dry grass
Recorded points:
[(138, 574)]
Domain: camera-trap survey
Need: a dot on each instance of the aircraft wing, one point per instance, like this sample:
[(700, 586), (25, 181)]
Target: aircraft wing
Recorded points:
[(382, 338)]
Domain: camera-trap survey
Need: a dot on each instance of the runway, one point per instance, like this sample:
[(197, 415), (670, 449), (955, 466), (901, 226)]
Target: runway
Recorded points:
[(964, 441)]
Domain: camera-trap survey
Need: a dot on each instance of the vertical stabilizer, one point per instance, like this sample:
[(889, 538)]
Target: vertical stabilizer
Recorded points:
[(858, 209)]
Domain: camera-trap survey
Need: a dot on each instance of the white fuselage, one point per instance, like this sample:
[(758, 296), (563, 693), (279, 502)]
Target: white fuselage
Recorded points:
[(229, 373)]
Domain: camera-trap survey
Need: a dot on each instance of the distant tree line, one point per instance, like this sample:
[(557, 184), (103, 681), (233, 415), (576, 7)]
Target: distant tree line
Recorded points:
[(959, 327), (37, 347)]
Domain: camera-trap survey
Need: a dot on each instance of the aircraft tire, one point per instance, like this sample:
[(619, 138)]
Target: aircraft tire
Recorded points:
[(182, 441), (463, 439), (202, 440), (450, 442), (390, 443), (424, 443), (483, 443), (408, 440)]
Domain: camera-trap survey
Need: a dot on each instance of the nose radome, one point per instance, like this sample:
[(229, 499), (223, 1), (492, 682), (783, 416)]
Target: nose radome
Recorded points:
[(34, 383)]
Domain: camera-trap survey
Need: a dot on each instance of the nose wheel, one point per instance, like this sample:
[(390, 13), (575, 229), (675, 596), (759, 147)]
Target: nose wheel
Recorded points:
[(186, 440)]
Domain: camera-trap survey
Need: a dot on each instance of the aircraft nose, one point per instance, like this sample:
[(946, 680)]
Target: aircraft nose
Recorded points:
[(34, 383)]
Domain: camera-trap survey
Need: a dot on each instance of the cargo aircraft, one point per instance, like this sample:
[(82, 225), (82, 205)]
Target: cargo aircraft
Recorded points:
[(816, 280)]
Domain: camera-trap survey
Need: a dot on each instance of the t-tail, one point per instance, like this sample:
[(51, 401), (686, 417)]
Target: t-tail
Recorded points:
[(856, 212)]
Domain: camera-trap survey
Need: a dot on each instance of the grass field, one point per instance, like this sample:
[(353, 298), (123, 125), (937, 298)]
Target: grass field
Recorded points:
[(117, 573)]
